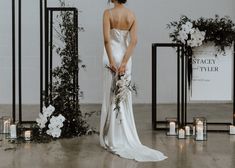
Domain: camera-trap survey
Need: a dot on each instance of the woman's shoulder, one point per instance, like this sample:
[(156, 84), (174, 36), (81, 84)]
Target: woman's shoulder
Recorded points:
[(130, 12)]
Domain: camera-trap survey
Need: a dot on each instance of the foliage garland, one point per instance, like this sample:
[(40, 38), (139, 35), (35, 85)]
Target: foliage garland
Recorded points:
[(220, 30)]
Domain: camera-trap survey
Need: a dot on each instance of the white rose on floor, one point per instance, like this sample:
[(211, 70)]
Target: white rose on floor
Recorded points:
[(61, 118), (55, 124), (47, 112), (41, 121), (56, 132)]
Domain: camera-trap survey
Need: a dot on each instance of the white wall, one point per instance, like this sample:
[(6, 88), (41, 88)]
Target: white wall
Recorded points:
[(152, 15)]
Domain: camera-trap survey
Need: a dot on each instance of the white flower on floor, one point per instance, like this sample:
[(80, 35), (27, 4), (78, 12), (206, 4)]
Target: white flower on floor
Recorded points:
[(43, 117), (47, 112), (41, 121), (55, 133), (56, 123)]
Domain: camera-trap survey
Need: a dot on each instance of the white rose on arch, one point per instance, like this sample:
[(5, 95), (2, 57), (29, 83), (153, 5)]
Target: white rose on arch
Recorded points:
[(183, 36), (187, 27), (196, 38)]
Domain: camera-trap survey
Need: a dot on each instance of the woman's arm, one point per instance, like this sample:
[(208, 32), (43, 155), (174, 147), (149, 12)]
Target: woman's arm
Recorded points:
[(106, 34), (130, 48)]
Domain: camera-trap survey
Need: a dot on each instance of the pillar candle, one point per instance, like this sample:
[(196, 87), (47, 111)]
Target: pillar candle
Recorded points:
[(194, 130), (13, 131), (232, 129), (172, 128), (199, 133), (6, 127), (187, 130), (27, 135), (181, 134)]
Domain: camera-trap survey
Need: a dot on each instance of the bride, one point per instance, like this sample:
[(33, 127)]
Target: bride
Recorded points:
[(118, 132)]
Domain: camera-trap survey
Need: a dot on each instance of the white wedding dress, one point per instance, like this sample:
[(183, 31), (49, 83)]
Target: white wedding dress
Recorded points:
[(118, 134)]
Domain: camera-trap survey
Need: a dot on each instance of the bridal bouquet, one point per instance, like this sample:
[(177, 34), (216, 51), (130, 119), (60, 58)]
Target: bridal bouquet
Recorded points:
[(52, 124), (121, 86)]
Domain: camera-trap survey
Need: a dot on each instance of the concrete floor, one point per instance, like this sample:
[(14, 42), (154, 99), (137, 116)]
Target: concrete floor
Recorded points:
[(85, 152)]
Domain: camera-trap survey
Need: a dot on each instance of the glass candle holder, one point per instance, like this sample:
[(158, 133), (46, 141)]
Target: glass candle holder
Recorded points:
[(187, 130), (181, 133), (232, 129), (171, 125), (200, 128), (5, 123), (28, 135), (13, 131)]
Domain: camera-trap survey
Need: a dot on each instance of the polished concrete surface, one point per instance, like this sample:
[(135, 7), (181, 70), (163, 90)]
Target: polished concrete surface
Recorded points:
[(85, 152)]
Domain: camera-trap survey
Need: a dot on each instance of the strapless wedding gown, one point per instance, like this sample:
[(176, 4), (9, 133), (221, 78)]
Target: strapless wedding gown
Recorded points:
[(118, 134)]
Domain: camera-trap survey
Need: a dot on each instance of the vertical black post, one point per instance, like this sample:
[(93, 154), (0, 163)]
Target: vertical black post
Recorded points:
[(178, 84), (182, 90), (41, 54), (77, 59), (186, 89), (13, 64), (154, 85), (74, 71), (51, 52), (19, 64), (46, 57), (234, 84)]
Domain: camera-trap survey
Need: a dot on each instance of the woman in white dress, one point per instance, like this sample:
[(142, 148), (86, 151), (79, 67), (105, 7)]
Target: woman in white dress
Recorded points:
[(118, 134)]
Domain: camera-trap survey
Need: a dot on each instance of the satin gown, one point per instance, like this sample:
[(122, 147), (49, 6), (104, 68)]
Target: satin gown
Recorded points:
[(118, 134)]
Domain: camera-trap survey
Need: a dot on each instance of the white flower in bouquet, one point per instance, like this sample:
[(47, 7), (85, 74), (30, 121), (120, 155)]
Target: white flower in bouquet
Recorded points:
[(41, 121), (185, 31), (122, 88), (183, 36), (187, 28), (196, 38)]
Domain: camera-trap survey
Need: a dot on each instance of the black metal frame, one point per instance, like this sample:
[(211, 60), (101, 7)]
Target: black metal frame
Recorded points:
[(181, 105), (14, 61), (49, 53), (13, 64), (44, 46), (181, 90)]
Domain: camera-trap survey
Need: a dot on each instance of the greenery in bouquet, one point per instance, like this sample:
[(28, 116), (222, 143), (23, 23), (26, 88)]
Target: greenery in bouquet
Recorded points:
[(121, 87)]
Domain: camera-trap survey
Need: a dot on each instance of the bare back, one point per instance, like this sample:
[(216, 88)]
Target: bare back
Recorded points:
[(121, 18)]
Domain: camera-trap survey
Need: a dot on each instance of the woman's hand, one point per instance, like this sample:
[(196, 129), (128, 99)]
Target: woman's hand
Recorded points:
[(112, 67), (122, 69)]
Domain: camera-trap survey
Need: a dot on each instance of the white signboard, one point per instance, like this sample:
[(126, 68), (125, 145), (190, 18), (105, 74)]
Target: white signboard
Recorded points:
[(212, 78)]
